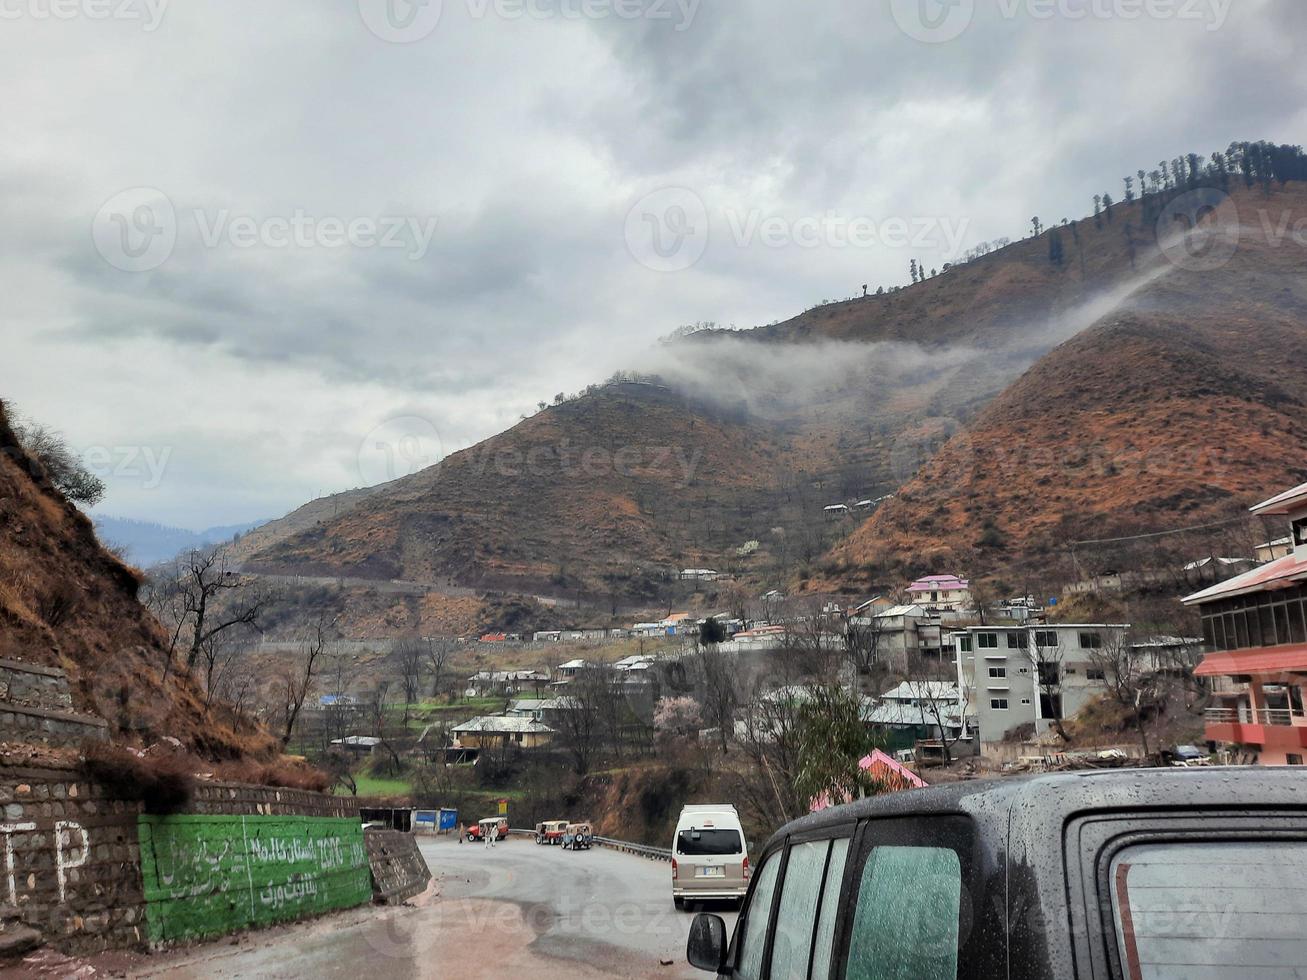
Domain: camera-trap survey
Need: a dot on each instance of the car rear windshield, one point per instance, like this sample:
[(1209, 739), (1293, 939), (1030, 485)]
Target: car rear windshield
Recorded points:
[(695, 843), (1203, 910)]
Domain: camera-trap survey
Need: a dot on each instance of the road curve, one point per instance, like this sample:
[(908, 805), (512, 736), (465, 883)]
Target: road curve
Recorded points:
[(515, 911)]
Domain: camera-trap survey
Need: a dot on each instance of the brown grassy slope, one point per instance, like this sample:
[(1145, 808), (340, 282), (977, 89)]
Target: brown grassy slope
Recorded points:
[(1183, 407), (65, 602), (486, 519)]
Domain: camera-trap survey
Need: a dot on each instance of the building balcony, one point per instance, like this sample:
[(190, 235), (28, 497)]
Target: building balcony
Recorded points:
[(1269, 728)]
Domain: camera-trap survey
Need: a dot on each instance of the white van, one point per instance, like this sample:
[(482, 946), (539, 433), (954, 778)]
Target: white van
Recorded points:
[(710, 858)]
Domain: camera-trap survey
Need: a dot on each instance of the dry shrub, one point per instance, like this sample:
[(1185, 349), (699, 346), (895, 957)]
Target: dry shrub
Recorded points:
[(286, 772), (164, 781)]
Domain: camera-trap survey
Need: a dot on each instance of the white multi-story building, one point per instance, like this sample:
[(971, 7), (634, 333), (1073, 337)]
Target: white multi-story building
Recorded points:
[(1016, 675), (941, 594)]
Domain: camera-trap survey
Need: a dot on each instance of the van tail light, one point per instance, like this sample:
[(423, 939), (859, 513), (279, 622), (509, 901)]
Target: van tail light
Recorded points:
[(746, 867), (675, 870)]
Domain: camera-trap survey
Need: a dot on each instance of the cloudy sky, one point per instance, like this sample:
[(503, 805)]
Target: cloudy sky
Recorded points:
[(254, 252)]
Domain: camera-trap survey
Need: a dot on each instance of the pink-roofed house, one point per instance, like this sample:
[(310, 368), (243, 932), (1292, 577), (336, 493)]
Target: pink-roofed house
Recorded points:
[(941, 594), (891, 774)]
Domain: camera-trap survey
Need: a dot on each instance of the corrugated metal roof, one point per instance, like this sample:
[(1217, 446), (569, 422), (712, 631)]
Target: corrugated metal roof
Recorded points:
[(1290, 500), (501, 723), (1272, 575), (1265, 660)]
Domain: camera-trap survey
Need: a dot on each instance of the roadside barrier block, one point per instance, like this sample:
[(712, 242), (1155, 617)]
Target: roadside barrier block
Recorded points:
[(398, 869)]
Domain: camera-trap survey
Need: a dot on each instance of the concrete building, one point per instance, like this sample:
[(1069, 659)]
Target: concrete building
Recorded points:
[(899, 632), (920, 710), (941, 594), (1020, 675), (1255, 632), (1272, 550)]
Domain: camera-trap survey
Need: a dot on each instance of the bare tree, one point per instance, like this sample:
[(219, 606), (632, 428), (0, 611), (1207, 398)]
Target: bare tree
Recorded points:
[(438, 654), (1131, 678), (297, 676), (579, 727), (410, 652), (862, 640), (1047, 654), (719, 695), (213, 599), (943, 706)]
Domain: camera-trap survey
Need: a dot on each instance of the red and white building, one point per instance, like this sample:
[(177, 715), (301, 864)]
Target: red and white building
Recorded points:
[(1255, 634)]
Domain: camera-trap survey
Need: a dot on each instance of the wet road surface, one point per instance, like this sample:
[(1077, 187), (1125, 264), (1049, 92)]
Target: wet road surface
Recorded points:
[(515, 911)]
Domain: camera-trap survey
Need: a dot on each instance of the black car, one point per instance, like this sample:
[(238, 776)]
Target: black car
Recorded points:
[(1134, 874)]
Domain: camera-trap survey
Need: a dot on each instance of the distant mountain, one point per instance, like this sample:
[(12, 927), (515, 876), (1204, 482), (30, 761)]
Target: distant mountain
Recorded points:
[(1180, 374), (143, 543)]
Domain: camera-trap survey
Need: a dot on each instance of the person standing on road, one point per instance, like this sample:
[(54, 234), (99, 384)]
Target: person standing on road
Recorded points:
[(493, 835)]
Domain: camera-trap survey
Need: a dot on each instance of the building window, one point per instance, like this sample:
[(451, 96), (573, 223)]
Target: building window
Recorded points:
[(1293, 760), (1300, 532), (1026, 701), (1096, 674), (998, 704), (1018, 641), (1091, 641), (964, 644), (1050, 675), (987, 641), (1046, 638), (997, 671)]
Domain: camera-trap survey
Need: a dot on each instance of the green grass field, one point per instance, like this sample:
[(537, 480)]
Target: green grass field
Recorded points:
[(371, 786)]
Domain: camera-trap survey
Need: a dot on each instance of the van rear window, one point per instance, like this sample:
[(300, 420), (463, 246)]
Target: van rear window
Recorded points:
[(1203, 910), (697, 843)]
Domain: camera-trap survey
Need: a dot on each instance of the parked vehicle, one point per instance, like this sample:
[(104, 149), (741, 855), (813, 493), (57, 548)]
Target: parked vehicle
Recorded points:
[(578, 836), (710, 859), (1109, 874), (1187, 755), (477, 831), (551, 831)]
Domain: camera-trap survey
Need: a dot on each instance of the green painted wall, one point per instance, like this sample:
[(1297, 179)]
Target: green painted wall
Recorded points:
[(210, 875)]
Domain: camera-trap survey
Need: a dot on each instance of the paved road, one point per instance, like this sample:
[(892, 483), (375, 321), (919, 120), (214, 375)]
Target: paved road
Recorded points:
[(539, 913)]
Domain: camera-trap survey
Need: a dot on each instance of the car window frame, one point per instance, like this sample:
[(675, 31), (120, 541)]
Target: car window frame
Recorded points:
[(843, 831), (1091, 844), (953, 831)]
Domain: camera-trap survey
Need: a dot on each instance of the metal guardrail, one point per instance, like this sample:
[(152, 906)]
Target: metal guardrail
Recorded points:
[(643, 850), (653, 853)]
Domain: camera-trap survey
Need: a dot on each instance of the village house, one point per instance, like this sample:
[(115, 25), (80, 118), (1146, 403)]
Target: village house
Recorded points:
[(1272, 550), (836, 512), (499, 683), (699, 575), (1030, 675), (941, 594), (494, 731), (899, 632), (919, 711), (1255, 634)]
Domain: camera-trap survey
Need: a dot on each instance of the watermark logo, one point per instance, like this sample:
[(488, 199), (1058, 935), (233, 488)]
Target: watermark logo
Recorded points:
[(940, 21), (1199, 230), (933, 21), (667, 231), (148, 13), (136, 230), (398, 448), (143, 465), (401, 21)]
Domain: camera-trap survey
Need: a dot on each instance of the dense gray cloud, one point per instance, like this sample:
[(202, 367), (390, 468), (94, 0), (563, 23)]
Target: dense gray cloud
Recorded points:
[(437, 231)]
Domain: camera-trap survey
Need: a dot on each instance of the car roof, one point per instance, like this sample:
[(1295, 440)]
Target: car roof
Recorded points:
[(1050, 799)]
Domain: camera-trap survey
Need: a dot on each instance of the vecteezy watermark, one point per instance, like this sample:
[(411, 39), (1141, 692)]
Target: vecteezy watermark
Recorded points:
[(398, 448), (145, 464), (137, 230), (670, 229), (1199, 230), (409, 21), (149, 13), (938, 21), (667, 231)]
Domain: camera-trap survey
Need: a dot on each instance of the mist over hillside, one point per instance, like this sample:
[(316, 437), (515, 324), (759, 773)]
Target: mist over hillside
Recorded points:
[(143, 543)]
